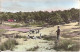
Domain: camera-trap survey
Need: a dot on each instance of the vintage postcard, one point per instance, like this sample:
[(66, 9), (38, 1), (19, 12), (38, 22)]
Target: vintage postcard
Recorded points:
[(39, 25)]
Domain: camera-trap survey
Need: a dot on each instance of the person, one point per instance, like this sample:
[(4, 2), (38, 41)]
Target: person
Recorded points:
[(40, 35), (33, 31), (15, 20), (30, 32), (58, 32), (28, 36), (38, 30)]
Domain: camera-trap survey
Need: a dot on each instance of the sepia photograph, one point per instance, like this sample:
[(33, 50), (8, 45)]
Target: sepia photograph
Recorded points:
[(39, 25)]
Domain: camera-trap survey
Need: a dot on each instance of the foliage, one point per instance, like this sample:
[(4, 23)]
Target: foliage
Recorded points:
[(65, 35), (2, 30), (33, 49), (49, 38), (67, 45), (15, 26), (53, 18), (8, 45), (18, 36)]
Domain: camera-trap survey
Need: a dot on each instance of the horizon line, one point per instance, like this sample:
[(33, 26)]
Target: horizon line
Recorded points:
[(40, 10)]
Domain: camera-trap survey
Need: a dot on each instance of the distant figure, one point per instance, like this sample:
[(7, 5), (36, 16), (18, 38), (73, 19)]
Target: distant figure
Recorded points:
[(34, 37), (30, 32), (33, 31), (58, 33), (28, 36), (40, 35), (38, 30), (15, 20)]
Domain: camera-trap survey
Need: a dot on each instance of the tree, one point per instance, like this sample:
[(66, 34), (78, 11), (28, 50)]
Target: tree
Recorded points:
[(66, 16), (56, 19)]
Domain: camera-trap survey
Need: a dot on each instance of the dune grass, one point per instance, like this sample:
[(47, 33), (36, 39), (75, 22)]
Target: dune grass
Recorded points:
[(8, 45), (33, 49), (49, 38), (15, 26), (67, 45)]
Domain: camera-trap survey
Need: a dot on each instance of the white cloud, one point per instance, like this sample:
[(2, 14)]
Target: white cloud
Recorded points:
[(15, 6)]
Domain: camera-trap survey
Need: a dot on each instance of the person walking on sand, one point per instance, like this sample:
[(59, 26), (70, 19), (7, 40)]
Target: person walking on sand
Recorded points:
[(58, 32)]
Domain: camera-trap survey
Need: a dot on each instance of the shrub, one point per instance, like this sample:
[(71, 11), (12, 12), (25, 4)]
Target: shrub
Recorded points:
[(15, 26), (49, 38), (18, 36), (8, 45), (2, 30), (38, 24), (25, 25), (33, 49), (76, 38), (67, 45), (66, 35)]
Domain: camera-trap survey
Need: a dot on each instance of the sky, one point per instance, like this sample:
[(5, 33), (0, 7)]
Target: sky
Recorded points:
[(37, 5)]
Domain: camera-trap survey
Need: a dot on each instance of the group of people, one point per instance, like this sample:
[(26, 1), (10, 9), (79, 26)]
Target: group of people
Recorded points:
[(37, 31), (34, 31)]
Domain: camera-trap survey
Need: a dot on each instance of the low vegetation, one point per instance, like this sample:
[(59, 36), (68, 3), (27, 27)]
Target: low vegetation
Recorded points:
[(67, 45), (70, 34), (66, 35), (38, 24), (15, 26), (8, 45), (49, 38), (18, 36), (2, 31), (76, 38), (33, 49)]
